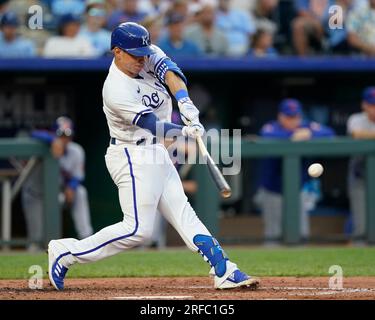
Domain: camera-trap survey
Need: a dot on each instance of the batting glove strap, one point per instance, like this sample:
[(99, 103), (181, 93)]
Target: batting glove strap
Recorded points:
[(188, 111)]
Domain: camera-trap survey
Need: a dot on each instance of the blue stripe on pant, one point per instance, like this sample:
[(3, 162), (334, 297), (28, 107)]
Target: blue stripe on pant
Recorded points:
[(135, 213)]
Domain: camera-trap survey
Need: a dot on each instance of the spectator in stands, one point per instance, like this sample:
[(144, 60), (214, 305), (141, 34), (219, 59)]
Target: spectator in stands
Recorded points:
[(181, 7), (309, 26), (154, 8), (173, 43), (129, 12), (62, 7), (361, 28), (262, 41), (360, 126), (237, 26), (12, 45), (3, 7), (155, 26), (93, 30), (97, 4), (206, 35), (289, 125), (68, 43), (265, 10)]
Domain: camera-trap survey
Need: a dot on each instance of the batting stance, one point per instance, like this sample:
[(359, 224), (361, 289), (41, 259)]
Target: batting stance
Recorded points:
[(135, 100), (71, 158)]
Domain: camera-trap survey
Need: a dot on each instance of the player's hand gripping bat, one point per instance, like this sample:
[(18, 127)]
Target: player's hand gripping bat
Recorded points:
[(216, 175)]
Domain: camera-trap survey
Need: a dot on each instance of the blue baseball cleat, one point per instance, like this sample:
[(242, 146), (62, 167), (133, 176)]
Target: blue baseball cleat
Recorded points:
[(237, 279), (56, 271)]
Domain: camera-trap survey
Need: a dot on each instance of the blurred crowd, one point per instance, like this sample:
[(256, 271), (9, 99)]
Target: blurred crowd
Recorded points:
[(219, 28)]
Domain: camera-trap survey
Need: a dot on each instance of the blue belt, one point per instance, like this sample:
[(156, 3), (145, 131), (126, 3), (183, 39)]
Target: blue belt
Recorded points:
[(139, 142)]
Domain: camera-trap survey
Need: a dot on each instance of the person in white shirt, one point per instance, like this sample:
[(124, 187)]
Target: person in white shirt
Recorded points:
[(360, 126), (69, 44)]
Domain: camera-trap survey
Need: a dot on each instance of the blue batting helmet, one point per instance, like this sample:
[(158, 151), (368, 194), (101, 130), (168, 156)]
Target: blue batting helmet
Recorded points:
[(132, 38), (63, 127)]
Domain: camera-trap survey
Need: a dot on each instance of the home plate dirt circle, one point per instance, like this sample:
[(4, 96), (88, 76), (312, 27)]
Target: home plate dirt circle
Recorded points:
[(190, 288)]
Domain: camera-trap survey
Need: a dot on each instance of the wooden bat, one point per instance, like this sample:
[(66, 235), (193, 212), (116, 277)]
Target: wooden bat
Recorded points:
[(217, 176)]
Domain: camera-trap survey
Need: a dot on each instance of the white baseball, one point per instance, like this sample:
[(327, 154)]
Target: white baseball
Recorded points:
[(315, 170)]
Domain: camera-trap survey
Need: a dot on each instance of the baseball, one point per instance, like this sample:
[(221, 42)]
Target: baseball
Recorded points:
[(315, 170)]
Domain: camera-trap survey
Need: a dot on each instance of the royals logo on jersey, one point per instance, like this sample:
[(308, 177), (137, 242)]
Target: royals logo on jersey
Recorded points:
[(153, 100)]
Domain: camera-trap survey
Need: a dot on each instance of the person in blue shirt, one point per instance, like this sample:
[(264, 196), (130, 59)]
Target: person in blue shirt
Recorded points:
[(11, 44), (62, 7), (289, 125), (308, 28), (129, 12), (93, 30), (237, 26), (174, 43)]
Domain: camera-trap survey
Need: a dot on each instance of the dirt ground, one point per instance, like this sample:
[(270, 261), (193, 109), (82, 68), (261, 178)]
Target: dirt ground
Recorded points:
[(192, 288)]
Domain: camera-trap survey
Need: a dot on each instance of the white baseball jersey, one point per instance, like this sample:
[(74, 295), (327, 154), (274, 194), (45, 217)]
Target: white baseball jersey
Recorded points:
[(126, 99)]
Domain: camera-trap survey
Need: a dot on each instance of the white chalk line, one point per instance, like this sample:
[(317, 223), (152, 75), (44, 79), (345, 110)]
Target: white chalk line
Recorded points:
[(152, 297)]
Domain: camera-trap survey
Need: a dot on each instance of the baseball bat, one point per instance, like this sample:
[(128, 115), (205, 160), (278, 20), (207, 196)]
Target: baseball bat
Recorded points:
[(217, 176)]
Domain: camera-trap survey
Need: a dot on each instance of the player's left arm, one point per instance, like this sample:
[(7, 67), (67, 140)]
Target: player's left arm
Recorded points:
[(171, 75)]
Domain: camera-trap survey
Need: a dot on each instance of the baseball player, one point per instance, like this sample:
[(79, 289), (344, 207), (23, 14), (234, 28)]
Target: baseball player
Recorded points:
[(289, 125), (138, 107), (360, 126), (71, 161)]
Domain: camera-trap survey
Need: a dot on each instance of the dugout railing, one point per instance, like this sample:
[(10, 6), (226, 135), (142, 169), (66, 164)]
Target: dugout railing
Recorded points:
[(208, 201), (25, 148)]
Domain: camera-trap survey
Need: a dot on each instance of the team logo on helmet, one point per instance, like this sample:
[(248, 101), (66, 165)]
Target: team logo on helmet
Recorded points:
[(145, 40)]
